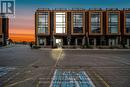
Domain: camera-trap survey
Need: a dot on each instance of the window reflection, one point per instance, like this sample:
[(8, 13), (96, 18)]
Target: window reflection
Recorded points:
[(43, 23), (113, 22), (127, 22), (77, 22), (95, 22), (60, 22)]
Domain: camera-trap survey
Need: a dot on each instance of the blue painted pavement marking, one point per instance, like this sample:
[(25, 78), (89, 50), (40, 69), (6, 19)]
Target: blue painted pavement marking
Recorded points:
[(5, 70), (71, 79)]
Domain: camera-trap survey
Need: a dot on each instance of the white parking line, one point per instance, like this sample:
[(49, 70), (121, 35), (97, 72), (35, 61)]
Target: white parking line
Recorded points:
[(54, 76)]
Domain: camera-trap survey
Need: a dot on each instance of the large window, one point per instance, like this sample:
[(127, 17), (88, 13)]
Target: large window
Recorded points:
[(95, 22), (60, 22), (41, 41), (113, 23), (127, 22), (77, 22), (43, 23)]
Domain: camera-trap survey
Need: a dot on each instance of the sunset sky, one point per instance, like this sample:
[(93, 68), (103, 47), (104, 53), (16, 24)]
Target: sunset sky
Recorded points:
[(22, 27)]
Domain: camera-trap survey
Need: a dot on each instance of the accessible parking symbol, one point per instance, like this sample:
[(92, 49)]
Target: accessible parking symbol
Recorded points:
[(63, 78)]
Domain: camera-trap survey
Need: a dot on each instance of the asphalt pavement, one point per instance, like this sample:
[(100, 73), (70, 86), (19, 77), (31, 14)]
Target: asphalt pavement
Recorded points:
[(21, 66)]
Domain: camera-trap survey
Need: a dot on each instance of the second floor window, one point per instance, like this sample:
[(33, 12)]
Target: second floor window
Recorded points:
[(43, 23), (127, 22), (95, 22), (60, 22), (78, 22), (113, 23)]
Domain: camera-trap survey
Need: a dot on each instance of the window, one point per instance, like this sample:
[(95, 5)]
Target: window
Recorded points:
[(95, 22), (60, 22), (43, 23), (127, 22), (41, 41), (113, 22), (77, 22)]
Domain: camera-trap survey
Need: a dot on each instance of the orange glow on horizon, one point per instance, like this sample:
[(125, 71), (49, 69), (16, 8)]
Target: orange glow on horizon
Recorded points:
[(22, 28), (22, 37)]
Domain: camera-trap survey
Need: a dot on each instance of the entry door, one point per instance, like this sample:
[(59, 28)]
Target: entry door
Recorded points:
[(41, 41), (79, 41), (59, 42), (113, 42)]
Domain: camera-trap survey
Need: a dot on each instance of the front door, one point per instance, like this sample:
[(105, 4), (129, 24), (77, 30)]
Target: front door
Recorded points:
[(59, 42)]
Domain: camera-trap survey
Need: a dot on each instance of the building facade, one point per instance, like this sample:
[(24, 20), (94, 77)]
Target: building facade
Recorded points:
[(4, 28), (79, 27)]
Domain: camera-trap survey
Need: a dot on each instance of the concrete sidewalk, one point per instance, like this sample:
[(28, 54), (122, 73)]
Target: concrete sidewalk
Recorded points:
[(85, 49)]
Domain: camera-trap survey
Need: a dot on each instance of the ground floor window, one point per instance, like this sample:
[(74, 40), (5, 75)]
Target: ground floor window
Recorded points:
[(41, 41)]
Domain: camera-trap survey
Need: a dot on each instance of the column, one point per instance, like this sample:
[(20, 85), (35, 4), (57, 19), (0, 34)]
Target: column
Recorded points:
[(88, 41), (76, 41), (113, 42), (95, 42), (37, 41), (54, 41), (120, 40), (3, 42), (128, 42), (117, 41), (44, 41), (68, 42), (61, 42), (109, 41), (83, 41), (51, 41)]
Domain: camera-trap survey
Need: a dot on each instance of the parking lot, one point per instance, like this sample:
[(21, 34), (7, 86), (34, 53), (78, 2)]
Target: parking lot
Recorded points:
[(26, 67)]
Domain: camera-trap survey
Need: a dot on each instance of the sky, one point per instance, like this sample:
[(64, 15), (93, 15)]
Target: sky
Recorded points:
[(22, 27)]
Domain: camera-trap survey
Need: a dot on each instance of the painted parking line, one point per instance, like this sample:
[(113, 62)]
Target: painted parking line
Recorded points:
[(71, 79), (5, 70), (101, 79)]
